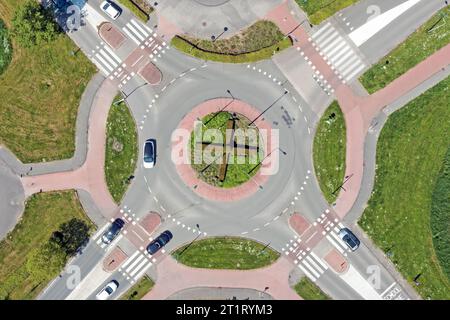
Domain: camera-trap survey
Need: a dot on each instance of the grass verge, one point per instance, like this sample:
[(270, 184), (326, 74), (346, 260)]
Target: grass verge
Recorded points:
[(139, 8), (43, 214), (329, 151), (121, 149), (429, 38), (139, 290), (41, 92), (5, 48), (258, 42), (226, 253), (319, 10), (410, 153), (306, 289)]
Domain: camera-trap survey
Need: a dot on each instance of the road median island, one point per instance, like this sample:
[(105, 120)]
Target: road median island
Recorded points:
[(139, 290), (28, 259), (320, 10), (226, 253), (121, 149), (260, 41), (329, 152), (428, 39), (410, 154)]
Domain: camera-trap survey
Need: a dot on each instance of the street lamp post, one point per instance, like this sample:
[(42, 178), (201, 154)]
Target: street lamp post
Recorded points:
[(260, 115), (218, 112), (283, 152), (214, 38)]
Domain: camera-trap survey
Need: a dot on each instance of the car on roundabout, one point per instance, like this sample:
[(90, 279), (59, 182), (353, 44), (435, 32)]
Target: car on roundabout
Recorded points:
[(149, 153), (107, 290)]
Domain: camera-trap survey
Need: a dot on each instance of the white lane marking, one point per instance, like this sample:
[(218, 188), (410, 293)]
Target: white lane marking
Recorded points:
[(131, 266), (325, 27), (389, 288), (100, 231), (341, 242), (313, 271), (355, 280), (107, 57), (138, 267), (103, 61), (334, 243), (309, 275), (135, 32), (140, 28), (319, 260), (141, 273), (113, 54), (314, 264), (373, 26), (130, 259), (360, 68), (128, 33)]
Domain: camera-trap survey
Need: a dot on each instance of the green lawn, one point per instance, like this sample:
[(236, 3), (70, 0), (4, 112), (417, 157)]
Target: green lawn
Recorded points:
[(432, 36), (258, 42), (329, 151), (239, 170), (410, 154), (308, 290), (43, 215), (139, 290), (40, 94), (5, 48), (319, 10), (121, 149), (226, 253)]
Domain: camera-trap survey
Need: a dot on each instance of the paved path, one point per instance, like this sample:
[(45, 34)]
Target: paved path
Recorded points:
[(174, 277)]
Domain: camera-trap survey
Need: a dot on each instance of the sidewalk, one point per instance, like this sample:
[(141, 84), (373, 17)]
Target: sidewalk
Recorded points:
[(174, 277)]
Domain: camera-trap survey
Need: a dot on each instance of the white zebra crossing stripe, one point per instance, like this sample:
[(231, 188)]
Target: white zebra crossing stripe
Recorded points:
[(311, 269), (135, 262), (135, 32), (319, 260), (330, 239), (339, 240), (107, 57), (309, 275), (314, 264), (113, 54), (138, 267), (103, 61), (130, 35), (141, 273), (130, 259), (139, 28), (100, 232), (337, 50)]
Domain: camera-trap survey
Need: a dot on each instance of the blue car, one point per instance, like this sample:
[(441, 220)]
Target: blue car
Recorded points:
[(159, 242), (349, 238)]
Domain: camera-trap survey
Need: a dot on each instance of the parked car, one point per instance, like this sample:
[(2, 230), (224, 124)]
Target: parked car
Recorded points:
[(159, 242), (112, 232), (107, 291), (149, 153), (111, 9), (349, 238)]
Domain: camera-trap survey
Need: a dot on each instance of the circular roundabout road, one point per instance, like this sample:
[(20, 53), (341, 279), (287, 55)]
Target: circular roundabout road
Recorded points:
[(180, 201)]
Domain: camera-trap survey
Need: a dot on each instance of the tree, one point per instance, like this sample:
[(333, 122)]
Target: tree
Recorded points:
[(71, 236), (45, 262), (33, 24)]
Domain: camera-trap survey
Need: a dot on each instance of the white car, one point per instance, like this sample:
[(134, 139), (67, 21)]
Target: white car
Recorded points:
[(107, 291), (111, 9)]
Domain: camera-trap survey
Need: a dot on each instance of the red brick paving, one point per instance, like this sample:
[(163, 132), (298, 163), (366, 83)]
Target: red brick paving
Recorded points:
[(111, 35), (299, 223), (114, 260), (336, 261), (151, 74)]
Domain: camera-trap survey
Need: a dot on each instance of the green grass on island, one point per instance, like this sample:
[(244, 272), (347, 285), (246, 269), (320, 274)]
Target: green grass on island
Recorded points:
[(226, 253), (43, 214), (308, 290), (410, 155), (5, 48), (240, 168), (260, 41), (41, 91), (329, 151), (140, 8), (139, 290), (121, 149), (429, 38), (319, 10)]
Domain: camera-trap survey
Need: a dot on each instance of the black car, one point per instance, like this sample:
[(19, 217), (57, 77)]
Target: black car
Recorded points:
[(113, 231), (159, 242), (349, 238)]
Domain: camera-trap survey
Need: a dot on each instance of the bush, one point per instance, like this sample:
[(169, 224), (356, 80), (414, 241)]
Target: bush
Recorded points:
[(71, 236), (440, 216), (33, 24), (46, 262), (137, 10)]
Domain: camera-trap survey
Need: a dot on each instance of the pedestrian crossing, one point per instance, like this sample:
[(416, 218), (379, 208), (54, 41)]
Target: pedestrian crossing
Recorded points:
[(105, 59), (136, 265), (97, 237), (331, 232), (338, 52), (310, 264)]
